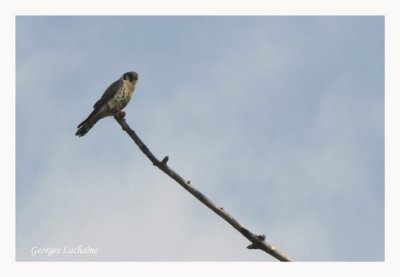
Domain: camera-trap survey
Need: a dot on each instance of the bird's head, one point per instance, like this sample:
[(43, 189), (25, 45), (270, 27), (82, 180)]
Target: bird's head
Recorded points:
[(130, 76)]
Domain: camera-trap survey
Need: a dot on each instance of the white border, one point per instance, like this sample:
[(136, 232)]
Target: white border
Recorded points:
[(206, 7)]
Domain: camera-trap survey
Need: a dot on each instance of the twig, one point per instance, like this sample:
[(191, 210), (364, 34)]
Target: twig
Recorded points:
[(257, 241)]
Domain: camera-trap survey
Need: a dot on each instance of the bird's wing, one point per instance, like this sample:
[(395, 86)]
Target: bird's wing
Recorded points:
[(109, 93)]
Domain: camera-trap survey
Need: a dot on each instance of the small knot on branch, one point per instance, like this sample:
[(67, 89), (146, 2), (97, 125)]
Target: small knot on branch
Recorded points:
[(165, 160), (254, 246), (261, 237)]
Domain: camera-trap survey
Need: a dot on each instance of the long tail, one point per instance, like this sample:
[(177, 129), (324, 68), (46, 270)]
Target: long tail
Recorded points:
[(87, 124)]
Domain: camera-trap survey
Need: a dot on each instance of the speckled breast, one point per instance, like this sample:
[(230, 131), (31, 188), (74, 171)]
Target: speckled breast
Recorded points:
[(122, 97)]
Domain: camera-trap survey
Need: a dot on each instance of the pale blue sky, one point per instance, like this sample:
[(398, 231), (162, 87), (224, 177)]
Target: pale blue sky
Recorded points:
[(280, 120)]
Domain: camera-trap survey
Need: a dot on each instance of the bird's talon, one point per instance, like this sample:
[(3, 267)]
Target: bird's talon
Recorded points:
[(119, 115)]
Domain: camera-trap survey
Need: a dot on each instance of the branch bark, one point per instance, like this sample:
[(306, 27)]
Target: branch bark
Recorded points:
[(257, 241)]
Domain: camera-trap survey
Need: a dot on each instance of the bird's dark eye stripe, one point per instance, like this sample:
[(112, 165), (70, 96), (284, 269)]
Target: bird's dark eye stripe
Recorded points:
[(131, 76)]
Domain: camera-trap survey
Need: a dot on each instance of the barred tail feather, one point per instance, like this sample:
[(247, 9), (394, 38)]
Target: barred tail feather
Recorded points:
[(85, 128), (87, 124)]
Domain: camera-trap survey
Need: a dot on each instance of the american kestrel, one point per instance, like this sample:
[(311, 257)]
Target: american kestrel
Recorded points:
[(113, 100)]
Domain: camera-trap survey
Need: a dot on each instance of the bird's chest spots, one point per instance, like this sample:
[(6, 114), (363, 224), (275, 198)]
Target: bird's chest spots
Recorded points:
[(122, 97)]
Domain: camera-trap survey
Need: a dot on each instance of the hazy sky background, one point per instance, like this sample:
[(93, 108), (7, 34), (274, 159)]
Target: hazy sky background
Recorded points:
[(280, 120)]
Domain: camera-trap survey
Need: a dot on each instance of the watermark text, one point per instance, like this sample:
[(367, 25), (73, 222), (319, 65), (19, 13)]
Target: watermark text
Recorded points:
[(66, 250)]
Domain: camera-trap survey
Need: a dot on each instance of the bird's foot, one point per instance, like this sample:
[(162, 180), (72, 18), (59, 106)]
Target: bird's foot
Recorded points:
[(119, 115)]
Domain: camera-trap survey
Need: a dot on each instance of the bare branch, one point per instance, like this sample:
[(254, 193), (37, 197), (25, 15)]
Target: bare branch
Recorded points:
[(257, 241)]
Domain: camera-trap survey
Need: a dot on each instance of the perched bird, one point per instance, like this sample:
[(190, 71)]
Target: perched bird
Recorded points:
[(113, 100)]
